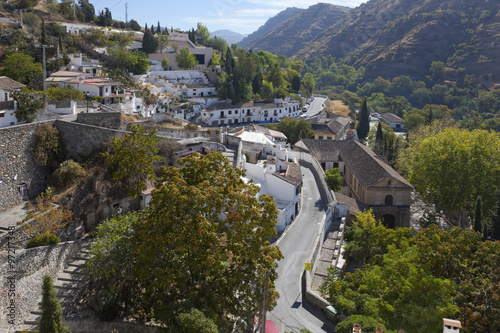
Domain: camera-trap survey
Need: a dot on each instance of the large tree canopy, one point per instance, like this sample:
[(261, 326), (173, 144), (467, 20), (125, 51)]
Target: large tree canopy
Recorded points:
[(453, 167), (203, 243), (412, 281)]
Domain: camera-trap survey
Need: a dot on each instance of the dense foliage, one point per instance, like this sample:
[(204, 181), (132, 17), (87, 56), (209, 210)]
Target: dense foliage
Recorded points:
[(132, 158), (412, 280), (452, 167), (209, 234)]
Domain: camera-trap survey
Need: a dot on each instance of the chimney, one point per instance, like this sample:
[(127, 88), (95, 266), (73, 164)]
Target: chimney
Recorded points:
[(356, 328)]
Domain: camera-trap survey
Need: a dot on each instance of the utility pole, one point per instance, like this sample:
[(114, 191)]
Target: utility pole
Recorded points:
[(126, 12), (261, 326), (21, 13), (74, 9), (44, 79)]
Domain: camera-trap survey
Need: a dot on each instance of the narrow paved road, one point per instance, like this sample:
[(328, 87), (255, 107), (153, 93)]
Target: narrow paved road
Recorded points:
[(317, 105), (296, 245)]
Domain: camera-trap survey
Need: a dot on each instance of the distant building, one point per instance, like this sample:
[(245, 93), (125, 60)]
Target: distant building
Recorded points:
[(225, 113), (8, 105), (178, 41), (395, 122), (331, 128), (368, 178)]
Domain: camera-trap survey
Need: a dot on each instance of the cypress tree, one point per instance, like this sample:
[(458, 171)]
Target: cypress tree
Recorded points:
[(379, 140), (495, 221), (152, 29), (364, 122), (478, 220), (51, 321), (158, 29), (228, 62)]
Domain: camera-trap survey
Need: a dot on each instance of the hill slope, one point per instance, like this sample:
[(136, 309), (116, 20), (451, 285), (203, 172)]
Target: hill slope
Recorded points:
[(229, 36), (270, 24), (396, 37), (298, 31)]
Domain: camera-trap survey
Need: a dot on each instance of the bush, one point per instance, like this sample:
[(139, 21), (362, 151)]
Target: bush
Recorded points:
[(42, 240), (48, 145), (68, 173)]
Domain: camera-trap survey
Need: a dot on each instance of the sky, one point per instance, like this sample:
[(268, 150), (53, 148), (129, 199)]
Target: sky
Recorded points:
[(242, 16)]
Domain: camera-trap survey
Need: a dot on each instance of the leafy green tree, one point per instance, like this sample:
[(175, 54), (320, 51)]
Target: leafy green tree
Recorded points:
[(164, 64), (334, 179), (134, 25), (104, 19), (186, 59), (28, 104), (48, 146), (274, 75), (62, 94), (208, 231), (203, 33), (452, 168), (25, 4), (89, 11), (195, 321), (132, 158), (295, 129), (51, 321), (364, 122), (22, 68), (308, 83)]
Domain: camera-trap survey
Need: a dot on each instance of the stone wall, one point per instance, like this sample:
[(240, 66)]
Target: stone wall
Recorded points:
[(17, 166), (101, 119), (83, 140), (31, 266), (89, 326)]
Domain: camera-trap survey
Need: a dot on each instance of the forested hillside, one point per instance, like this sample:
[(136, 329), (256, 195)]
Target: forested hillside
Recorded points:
[(269, 25), (292, 35), (401, 37)]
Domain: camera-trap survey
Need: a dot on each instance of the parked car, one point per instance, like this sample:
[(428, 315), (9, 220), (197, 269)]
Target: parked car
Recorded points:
[(375, 115)]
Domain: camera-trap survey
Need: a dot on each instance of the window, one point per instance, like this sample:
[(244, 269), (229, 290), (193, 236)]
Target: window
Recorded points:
[(388, 200), (235, 111), (335, 165), (229, 112), (2, 114), (389, 183)]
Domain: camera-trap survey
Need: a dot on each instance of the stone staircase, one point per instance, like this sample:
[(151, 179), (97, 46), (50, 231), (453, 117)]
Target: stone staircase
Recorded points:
[(331, 255), (69, 286)]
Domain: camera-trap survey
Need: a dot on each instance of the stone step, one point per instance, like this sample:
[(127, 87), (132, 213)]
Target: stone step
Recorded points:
[(78, 263), (32, 319), (74, 270), (36, 312), (81, 256), (66, 293), (71, 277), (62, 284)]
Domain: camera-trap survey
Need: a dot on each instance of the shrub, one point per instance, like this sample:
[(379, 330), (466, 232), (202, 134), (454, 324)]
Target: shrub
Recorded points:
[(48, 146), (68, 173), (42, 240)]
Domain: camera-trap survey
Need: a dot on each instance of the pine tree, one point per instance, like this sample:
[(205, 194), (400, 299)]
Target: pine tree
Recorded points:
[(51, 321), (149, 42), (364, 122), (478, 221), (158, 29)]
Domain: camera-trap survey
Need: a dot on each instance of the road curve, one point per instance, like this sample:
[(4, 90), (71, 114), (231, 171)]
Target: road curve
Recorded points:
[(296, 245)]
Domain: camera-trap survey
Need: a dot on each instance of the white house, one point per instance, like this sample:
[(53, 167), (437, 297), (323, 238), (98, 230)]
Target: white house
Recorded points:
[(92, 87), (178, 41), (451, 326), (8, 106), (395, 122), (226, 113), (283, 181)]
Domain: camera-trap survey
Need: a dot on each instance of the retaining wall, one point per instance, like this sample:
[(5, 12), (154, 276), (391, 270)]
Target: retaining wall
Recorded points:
[(88, 326), (17, 166), (30, 267)]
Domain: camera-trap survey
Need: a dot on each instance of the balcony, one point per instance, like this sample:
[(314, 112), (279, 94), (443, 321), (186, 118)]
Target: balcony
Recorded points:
[(8, 105)]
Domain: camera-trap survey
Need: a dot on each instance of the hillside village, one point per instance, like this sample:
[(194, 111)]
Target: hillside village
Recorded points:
[(246, 167)]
